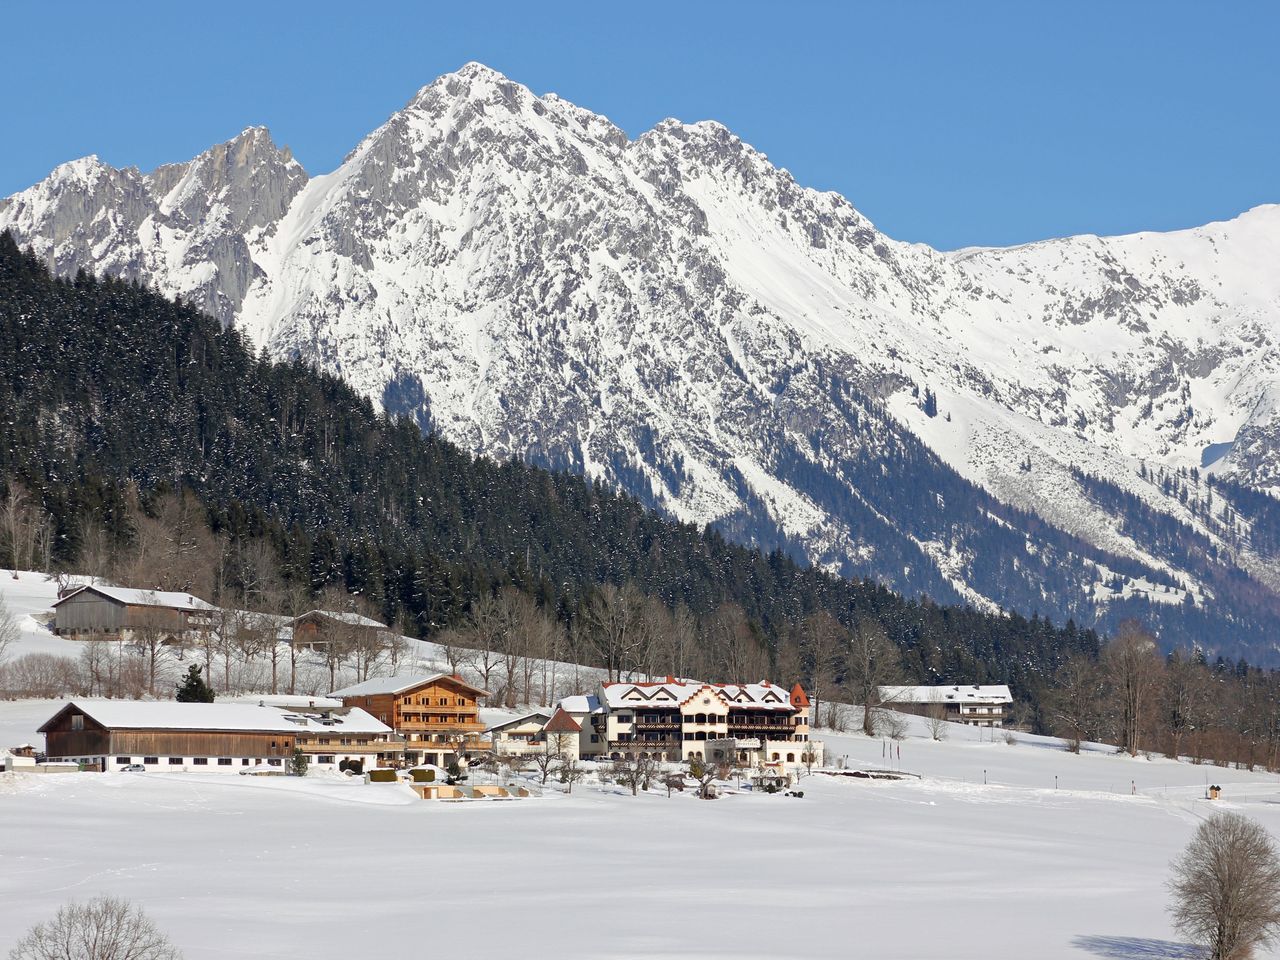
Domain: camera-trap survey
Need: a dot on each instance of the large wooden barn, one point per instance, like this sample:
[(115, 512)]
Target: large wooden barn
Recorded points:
[(166, 735), (122, 613)]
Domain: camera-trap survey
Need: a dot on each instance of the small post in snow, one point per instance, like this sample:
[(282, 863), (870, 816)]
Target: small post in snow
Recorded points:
[(1055, 781)]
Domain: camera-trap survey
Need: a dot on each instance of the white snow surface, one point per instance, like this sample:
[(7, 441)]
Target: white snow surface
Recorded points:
[(947, 867)]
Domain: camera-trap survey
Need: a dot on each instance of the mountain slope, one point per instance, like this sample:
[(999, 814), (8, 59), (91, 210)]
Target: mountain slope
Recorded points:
[(674, 315)]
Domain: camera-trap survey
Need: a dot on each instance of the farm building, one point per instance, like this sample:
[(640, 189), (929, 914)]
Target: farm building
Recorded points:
[(123, 613), (166, 735), (318, 628), (977, 706)]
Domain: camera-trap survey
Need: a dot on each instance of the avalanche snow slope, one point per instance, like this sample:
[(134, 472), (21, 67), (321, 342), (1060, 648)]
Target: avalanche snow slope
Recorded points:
[(675, 315), (943, 867)]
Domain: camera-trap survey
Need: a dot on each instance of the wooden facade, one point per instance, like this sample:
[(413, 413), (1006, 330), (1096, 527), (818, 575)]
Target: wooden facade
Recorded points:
[(73, 733), (317, 628), (95, 615), (438, 717)]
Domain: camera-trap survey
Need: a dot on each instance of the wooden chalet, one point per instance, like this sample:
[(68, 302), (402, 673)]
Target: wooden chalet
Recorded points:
[(438, 715), (121, 613)]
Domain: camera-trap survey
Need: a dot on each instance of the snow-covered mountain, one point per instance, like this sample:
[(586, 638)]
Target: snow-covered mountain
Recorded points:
[(675, 315)]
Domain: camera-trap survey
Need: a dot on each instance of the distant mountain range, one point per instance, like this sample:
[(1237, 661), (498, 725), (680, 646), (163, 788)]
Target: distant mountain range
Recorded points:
[(1082, 427)]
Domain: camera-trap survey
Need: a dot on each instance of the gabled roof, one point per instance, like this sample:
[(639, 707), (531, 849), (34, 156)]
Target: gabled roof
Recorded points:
[(987, 694), (171, 715), (376, 686), (798, 697), (538, 716), (561, 722), (672, 693), (342, 616), (169, 600)]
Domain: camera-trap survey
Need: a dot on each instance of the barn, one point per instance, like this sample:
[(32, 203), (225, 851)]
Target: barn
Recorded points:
[(123, 613), (171, 736)]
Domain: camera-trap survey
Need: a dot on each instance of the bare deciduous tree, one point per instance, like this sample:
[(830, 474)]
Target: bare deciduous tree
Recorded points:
[(1133, 667), (105, 928), (570, 771), (1075, 705), (26, 531), (9, 632), (822, 640), (616, 629), (873, 661), (1226, 887), (936, 719)]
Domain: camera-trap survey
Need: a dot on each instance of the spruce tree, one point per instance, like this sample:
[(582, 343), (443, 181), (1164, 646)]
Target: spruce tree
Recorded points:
[(193, 689)]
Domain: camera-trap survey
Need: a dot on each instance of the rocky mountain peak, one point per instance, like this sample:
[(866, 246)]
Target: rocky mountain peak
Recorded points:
[(679, 317)]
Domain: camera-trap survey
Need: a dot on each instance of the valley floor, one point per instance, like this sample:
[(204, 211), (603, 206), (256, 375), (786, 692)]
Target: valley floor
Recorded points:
[(941, 867)]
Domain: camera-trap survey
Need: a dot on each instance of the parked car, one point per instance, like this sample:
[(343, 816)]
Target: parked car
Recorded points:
[(134, 768)]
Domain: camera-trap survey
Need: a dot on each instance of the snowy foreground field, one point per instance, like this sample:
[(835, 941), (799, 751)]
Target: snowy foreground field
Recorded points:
[(942, 867)]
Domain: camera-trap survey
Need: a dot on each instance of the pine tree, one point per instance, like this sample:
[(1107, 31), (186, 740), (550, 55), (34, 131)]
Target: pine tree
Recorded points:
[(193, 689)]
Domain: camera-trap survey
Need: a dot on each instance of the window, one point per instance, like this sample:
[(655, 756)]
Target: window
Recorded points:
[(624, 718), (273, 761), (175, 761), (323, 741), (77, 721), (124, 759), (462, 702), (595, 738), (325, 758), (244, 761), (200, 761), (150, 759), (224, 761)]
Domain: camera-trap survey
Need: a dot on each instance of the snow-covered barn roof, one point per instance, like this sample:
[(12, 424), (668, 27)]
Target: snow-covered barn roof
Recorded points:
[(975, 693), (171, 715), (353, 720), (133, 597), (343, 616)]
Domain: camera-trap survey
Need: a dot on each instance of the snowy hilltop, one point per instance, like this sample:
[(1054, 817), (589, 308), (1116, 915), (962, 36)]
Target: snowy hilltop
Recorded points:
[(1030, 428)]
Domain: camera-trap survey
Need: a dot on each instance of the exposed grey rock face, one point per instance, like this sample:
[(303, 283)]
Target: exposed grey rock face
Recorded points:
[(185, 226), (676, 315)]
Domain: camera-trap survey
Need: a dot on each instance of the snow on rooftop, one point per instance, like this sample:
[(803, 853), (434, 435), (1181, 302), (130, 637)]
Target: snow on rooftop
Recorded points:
[(671, 693), (145, 598), (579, 703), (376, 686), (972, 693), (171, 715), (344, 616)]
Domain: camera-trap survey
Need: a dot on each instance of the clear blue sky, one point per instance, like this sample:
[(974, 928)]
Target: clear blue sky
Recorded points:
[(951, 123)]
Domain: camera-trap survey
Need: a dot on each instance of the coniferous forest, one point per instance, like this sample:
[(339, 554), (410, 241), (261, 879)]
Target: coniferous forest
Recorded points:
[(115, 397)]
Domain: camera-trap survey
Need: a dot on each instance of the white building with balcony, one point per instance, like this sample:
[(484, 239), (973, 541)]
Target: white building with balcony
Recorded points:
[(975, 705)]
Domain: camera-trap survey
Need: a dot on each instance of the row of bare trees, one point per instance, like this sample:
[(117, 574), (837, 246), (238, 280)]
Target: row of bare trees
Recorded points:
[(1177, 705)]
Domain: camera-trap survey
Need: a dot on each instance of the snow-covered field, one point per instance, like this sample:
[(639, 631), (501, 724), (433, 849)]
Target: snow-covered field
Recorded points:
[(941, 867)]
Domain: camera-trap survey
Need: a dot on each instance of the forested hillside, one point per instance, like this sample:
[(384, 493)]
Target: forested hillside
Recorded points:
[(113, 393)]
